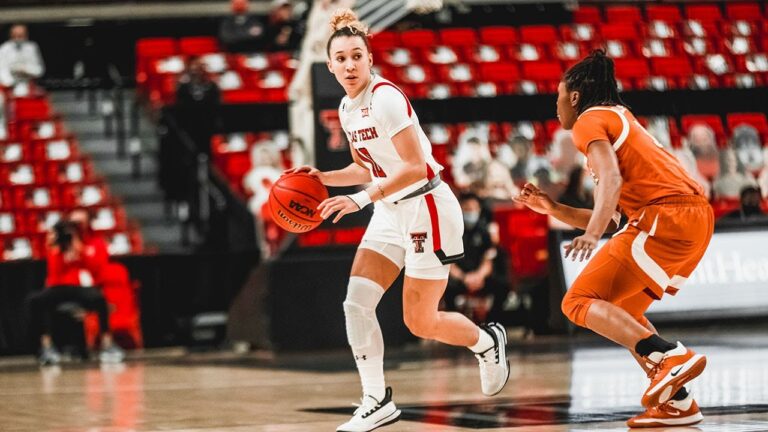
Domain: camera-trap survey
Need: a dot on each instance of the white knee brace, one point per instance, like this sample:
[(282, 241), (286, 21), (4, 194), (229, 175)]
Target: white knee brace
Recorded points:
[(363, 331)]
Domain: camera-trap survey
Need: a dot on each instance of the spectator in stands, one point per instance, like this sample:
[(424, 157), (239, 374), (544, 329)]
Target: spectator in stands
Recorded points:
[(702, 142), (578, 190), (470, 162), (282, 32), (241, 32), (563, 155), (750, 209), (20, 61), (688, 161), (748, 147), (95, 253), (69, 280), (733, 178), (266, 169), (523, 148), (197, 105), (483, 270), (762, 179)]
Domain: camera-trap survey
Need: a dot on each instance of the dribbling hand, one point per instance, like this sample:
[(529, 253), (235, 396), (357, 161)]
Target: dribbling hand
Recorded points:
[(314, 172), (341, 204)]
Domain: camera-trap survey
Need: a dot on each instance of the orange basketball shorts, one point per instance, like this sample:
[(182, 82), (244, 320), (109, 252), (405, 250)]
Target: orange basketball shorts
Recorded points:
[(654, 253)]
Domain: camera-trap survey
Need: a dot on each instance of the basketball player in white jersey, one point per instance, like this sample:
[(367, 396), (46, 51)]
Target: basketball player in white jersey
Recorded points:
[(417, 224)]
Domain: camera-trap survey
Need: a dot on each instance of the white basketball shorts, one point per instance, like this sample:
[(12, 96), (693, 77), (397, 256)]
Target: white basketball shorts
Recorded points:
[(428, 228)]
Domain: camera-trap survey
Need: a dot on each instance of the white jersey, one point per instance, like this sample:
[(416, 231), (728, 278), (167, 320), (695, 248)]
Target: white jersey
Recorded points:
[(371, 119)]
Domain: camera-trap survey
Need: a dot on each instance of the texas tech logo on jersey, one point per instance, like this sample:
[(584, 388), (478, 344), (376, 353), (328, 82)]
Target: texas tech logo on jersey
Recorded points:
[(418, 240)]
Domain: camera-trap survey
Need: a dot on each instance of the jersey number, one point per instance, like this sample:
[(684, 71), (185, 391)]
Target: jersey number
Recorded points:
[(366, 157)]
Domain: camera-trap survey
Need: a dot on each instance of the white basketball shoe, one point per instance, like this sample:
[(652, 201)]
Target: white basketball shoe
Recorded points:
[(372, 414), (494, 366)]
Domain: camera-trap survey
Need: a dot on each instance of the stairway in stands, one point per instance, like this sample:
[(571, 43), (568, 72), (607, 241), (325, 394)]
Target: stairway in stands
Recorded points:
[(132, 177)]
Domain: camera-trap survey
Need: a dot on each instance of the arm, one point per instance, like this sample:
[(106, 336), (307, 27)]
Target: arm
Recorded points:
[(36, 67), (413, 169), (540, 202)]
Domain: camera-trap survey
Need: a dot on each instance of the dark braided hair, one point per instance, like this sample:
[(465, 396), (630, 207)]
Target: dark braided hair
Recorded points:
[(594, 79)]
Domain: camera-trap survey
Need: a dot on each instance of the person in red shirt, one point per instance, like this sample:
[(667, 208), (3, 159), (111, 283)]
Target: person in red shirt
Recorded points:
[(69, 279), (95, 254), (670, 224)]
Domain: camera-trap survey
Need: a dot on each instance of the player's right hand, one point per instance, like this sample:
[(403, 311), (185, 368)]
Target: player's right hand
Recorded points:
[(536, 200), (314, 172)]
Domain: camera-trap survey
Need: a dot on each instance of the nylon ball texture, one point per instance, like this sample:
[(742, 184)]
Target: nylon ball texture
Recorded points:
[(293, 201)]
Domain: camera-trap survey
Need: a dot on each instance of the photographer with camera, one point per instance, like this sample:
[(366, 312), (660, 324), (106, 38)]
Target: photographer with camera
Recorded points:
[(69, 280)]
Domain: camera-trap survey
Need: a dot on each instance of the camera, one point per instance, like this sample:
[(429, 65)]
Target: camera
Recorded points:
[(64, 232)]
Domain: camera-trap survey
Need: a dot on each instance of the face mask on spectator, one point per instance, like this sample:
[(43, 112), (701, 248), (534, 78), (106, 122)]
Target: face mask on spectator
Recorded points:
[(471, 218)]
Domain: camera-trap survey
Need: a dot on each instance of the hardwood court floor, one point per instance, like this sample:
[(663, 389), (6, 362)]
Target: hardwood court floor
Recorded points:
[(556, 385)]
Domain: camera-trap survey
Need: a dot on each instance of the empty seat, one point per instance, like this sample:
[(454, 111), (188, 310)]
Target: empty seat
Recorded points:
[(623, 13), (498, 35), (705, 13), (587, 14), (458, 37), (666, 13), (538, 34), (198, 45), (418, 38), (744, 11), (385, 40)]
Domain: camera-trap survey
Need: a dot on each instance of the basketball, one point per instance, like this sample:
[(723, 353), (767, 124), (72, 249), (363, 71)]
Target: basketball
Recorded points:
[(293, 201)]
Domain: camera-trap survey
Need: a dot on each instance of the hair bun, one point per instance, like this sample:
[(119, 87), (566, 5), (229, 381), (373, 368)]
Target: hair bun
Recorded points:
[(346, 17)]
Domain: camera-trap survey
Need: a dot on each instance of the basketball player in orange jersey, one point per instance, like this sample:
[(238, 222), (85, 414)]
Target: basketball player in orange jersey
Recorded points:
[(417, 224), (670, 223)]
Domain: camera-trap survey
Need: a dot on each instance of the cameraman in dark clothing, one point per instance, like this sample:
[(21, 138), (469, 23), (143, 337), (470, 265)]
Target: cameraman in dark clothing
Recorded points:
[(483, 270), (68, 280)]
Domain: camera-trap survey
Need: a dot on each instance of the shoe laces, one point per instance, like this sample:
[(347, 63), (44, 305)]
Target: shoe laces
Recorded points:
[(366, 406), (483, 357), (655, 367)]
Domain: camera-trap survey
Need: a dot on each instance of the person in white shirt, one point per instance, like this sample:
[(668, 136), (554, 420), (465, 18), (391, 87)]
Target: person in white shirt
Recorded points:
[(417, 224), (20, 60)]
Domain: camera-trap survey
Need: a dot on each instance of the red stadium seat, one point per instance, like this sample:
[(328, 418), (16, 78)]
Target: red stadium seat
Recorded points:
[(538, 34), (666, 13), (672, 67), (744, 11), (198, 45), (499, 72), (756, 120), (547, 74), (587, 14), (418, 38), (623, 14), (385, 40), (705, 13), (458, 37), (498, 35), (35, 108), (632, 70), (711, 120), (620, 31)]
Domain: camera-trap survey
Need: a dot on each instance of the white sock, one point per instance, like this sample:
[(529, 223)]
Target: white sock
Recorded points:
[(484, 342), (364, 333), (372, 377)]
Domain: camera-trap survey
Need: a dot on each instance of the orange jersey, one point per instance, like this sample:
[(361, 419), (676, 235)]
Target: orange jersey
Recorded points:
[(648, 171)]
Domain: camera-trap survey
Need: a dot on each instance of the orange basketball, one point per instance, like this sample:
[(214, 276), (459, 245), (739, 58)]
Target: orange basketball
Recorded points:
[(293, 201)]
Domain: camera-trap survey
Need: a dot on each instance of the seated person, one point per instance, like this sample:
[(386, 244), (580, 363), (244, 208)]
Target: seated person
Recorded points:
[(483, 270), (20, 60), (733, 178), (69, 280), (241, 32), (749, 207)]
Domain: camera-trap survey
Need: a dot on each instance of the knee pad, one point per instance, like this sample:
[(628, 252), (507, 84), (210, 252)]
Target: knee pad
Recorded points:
[(575, 307), (363, 295)]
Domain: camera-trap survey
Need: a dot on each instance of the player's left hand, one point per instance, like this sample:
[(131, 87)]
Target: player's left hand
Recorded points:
[(581, 247), (341, 204)]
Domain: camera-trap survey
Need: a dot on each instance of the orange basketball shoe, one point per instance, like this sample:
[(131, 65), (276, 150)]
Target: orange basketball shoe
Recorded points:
[(672, 413), (670, 371)]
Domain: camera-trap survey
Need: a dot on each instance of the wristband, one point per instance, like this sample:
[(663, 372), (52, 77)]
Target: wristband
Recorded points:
[(361, 198)]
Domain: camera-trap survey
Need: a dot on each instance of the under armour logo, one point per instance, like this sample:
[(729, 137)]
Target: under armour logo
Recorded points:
[(365, 112), (418, 241), (362, 357)]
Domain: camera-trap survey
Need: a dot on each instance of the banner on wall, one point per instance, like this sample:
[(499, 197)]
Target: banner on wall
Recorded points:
[(730, 281)]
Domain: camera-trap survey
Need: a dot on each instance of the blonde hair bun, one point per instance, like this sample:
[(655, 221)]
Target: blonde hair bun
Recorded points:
[(346, 17)]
